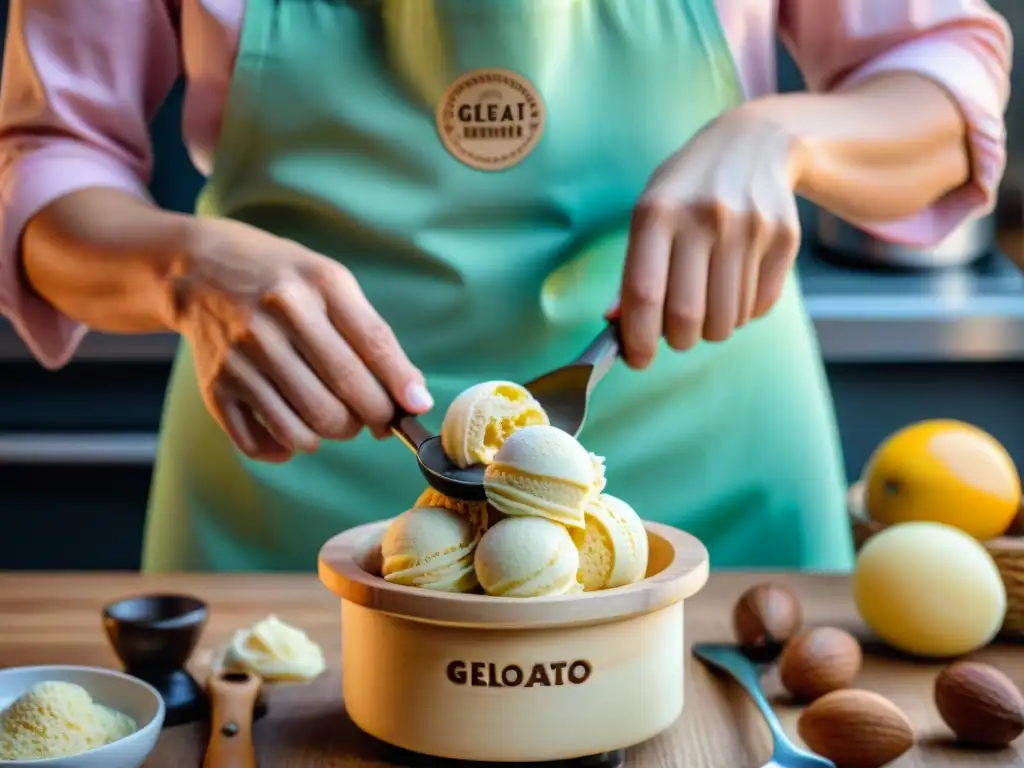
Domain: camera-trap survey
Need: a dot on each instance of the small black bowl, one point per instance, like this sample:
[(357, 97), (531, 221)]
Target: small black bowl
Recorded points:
[(154, 636)]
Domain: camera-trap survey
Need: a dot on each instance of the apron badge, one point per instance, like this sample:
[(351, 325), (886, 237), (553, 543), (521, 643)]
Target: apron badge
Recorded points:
[(490, 119)]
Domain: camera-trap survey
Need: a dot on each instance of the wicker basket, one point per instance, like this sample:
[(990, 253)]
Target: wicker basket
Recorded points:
[(1007, 551)]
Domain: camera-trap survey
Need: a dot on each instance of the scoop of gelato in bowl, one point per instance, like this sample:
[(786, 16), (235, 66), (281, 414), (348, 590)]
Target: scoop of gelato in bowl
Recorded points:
[(541, 471)]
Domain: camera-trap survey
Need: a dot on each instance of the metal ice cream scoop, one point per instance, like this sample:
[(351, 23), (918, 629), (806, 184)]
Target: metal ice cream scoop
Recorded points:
[(440, 472), (564, 393)]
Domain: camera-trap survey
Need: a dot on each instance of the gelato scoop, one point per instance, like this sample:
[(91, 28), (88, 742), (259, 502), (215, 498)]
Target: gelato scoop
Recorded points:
[(57, 719), (430, 547), (480, 513), (274, 650), (542, 471), (479, 420), (614, 549), (527, 557)]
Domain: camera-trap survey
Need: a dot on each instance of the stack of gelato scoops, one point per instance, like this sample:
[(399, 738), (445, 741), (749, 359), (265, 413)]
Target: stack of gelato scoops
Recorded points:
[(547, 527), (57, 719)]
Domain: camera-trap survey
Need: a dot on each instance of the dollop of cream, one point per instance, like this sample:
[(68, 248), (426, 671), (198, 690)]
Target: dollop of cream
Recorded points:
[(274, 650)]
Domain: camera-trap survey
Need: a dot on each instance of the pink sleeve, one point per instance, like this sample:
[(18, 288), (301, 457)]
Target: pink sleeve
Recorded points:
[(963, 45), (80, 81)]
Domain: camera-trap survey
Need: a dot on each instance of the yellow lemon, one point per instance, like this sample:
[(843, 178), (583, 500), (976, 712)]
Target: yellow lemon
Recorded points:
[(943, 471)]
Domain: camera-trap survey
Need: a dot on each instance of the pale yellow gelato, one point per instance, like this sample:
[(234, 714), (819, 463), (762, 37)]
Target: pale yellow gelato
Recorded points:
[(274, 650), (482, 514), (527, 557), (613, 548), (479, 420), (431, 547), (544, 472), (58, 719)]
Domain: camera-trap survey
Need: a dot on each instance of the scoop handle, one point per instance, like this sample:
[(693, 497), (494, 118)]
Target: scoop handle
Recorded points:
[(602, 352), (232, 701), (408, 429)]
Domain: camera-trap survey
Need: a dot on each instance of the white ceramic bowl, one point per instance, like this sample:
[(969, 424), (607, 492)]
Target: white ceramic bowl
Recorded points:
[(116, 690), (501, 679)]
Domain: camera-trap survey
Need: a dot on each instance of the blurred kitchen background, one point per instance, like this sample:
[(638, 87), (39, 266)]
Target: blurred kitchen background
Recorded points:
[(945, 339)]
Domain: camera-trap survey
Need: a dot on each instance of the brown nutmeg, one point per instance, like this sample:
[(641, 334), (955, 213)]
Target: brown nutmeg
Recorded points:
[(764, 618), (856, 729), (980, 704), (819, 661)]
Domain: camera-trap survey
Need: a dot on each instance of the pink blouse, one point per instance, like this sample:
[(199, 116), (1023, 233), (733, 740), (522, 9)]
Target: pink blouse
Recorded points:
[(82, 79)]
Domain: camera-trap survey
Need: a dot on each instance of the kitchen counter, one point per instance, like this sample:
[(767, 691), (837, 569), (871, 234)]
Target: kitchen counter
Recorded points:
[(956, 315), (973, 314), (55, 619)]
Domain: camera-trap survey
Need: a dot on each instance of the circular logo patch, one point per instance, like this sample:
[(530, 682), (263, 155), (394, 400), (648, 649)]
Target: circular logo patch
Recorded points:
[(490, 119)]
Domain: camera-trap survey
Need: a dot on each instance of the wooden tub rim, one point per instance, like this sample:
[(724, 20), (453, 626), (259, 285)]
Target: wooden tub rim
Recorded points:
[(341, 569)]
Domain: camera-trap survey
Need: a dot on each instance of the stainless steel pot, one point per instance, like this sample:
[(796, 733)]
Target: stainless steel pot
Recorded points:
[(972, 240)]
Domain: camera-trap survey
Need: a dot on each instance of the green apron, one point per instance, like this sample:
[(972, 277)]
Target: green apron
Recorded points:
[(331, 137)]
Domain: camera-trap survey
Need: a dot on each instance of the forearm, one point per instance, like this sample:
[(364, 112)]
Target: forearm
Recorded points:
[(881, 151), (105, 258)]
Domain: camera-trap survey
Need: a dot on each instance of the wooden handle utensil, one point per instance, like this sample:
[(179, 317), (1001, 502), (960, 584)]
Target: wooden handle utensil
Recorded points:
[(232, 701)]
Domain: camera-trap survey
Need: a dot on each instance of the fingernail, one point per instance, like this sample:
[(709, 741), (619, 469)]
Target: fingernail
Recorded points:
[(419, 398)]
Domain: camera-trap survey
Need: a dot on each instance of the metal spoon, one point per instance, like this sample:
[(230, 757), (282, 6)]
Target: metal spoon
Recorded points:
[(729, 659), (564, 393)]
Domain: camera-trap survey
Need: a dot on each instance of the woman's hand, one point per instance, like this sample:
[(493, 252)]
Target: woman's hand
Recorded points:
[(712, 238), (287, 348)]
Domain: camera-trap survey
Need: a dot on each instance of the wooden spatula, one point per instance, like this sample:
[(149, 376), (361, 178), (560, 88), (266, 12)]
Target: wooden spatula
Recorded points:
[(232, 701)]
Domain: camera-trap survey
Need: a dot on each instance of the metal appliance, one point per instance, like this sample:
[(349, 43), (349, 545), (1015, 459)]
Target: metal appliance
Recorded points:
[(969, 242)]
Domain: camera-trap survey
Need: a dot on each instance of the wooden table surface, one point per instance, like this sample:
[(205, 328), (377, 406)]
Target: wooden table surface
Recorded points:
[(55, 619)]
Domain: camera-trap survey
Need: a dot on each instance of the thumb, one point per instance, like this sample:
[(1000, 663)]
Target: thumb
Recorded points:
[(387, 361), (417, 398), (383, 355), (372, 339)]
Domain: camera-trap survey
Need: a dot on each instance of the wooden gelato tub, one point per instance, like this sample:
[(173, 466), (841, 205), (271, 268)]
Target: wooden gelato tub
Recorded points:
[(497, 679)]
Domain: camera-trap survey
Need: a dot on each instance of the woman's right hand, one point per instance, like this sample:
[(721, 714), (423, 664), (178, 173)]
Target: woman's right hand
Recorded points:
[(287, 348)]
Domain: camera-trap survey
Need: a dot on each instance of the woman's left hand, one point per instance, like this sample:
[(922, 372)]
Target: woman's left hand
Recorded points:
[(713, 236)]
